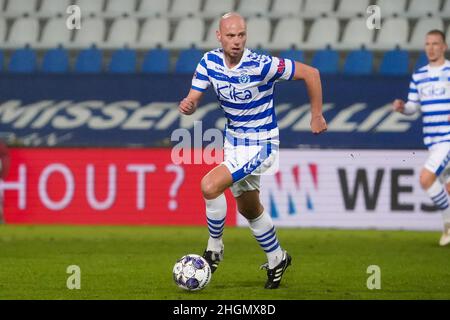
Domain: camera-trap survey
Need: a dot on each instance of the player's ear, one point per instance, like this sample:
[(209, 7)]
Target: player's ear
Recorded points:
[(218, 35)]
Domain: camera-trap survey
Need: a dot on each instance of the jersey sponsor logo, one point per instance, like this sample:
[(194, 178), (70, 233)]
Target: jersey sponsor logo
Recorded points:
[(229, 92), (432, 90), (244, 78)]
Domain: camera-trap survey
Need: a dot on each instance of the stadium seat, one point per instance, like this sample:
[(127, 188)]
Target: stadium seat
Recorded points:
[(286, 8), (445, 12), (316, 8), (393, 33), (250, 8), (421, 61), (258, 31), (89, 61), (214, 8), (123, 31), (149, 38), (2, 30), (323, 32), (447, 35), (293, 54), (123, 61), (390, 7), (116, 8), (156, 61), (92, 32), (359, 62), (24, 31), (91, 6), (326, 60), (356, 34), (23, 61), (351, 8), (288, 33), (188, 60), (185, 8), (211, 39), (424, 25), (55, 61), (50, 8), (420, 8), (395, 62), (55, 33), (189, 32), (153, 8), (18, 8)]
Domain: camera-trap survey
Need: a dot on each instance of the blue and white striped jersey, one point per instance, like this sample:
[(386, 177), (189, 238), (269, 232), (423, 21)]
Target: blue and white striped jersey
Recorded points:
[(245, 92), (430, 90)]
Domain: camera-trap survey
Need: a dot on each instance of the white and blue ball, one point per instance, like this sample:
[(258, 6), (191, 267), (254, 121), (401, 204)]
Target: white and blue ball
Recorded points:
[(192, 272)]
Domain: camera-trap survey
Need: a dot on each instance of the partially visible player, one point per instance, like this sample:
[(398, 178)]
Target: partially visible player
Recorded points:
[(429, 90), (244, 82)]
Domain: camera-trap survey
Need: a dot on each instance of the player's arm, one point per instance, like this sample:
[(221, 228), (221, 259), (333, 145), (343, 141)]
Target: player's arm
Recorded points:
[(189, 104), (410, 107), (311, 76)]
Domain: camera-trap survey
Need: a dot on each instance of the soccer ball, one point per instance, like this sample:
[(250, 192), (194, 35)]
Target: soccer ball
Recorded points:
[(191, 272)]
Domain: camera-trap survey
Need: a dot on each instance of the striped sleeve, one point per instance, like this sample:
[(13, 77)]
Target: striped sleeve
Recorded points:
[(281, 69), (200, 80), (413, 94)]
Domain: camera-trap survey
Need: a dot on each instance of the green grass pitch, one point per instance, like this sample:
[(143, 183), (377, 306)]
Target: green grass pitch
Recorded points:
[(136, 263)]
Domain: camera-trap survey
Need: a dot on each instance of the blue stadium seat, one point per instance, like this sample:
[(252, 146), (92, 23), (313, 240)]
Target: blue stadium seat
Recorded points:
[(56, 61), (156, 61), (293, 54), (421, 61), (23, 61), (89, 61), (359, 62), (326, 60), (123, 61), (188, 60), (395, 62)]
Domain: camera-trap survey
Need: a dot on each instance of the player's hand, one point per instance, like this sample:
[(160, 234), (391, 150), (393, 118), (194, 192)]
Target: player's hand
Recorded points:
[(398, 105), (318, 124), (187, 106)]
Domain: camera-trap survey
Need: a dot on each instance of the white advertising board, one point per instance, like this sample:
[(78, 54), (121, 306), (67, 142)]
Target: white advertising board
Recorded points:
[(358, 189)]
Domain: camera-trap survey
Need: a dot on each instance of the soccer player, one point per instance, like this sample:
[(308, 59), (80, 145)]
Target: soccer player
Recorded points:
[(429, 89), (243, 82)]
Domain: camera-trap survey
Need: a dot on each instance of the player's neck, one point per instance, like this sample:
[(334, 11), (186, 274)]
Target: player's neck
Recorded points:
[(232, 62), (438, 62)]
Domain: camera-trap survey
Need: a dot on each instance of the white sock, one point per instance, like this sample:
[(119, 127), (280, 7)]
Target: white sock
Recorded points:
[(439, 196), (264, 232), (216, 210)]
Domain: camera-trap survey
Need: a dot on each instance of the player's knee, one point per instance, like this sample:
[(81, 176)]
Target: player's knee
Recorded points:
[(210, 189), (426, 180)]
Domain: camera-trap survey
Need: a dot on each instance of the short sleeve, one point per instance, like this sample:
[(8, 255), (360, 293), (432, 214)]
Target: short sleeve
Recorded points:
[(413, 93), (200, 80), (281, 69)]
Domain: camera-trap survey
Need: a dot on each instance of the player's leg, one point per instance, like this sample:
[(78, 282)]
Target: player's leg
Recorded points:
[(263, 229), (429, 181), (213, 186)]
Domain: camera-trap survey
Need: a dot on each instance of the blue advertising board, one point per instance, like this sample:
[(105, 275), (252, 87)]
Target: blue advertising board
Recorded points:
[(141, 110)]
